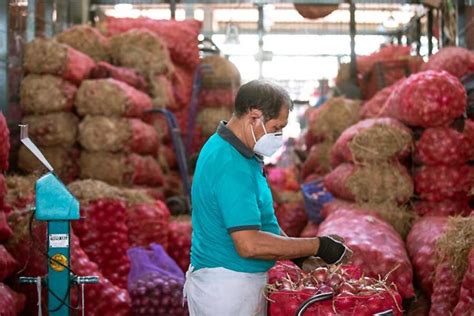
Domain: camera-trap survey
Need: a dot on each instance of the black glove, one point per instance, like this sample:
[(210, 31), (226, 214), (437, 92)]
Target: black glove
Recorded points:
[(330, 250)]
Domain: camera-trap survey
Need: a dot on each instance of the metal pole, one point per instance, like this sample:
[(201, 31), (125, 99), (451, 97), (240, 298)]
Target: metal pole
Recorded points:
[(31, 20), (4, 96), (461, 23), (353, 34), (261, 32), (418, 36), (48, 17), (173, 9), (430, 32)]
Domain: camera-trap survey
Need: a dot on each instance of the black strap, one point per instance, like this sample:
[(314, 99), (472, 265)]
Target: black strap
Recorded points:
[(313, 299)]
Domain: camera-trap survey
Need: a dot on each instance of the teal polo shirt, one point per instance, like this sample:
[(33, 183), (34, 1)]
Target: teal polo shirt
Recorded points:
[(229, 193)]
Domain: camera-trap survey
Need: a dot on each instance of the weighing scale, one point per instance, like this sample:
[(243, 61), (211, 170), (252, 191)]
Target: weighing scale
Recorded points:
[(57, 206)]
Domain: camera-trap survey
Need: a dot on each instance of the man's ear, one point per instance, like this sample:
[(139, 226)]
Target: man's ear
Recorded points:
[(255, 116)]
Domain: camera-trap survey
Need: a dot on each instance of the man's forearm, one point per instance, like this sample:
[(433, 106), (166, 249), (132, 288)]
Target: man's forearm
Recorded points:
[(267, 246)]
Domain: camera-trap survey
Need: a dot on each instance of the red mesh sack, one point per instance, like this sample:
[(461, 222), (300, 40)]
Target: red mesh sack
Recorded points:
[(466, 296), (444, 208), (4, 143), (427, 99), (445, 290), (103, 231), (161, 90), (21, 192), (181, 37), (179, 238), (103, 298), (11, 303), (421, 244), (42, 94), (111, 97), (147, 219), (183, 86), (375, 183), (114, 134), (469, 134), (317, 161), (457, 61), (378, 248), (438, 183), (442, 146), (8, 264), (217, 98), (366, 63), (105, 70), (121, 169), (292, 218), (283, 179), (374, 107), (378, 139), (46, 56), (310, 230)]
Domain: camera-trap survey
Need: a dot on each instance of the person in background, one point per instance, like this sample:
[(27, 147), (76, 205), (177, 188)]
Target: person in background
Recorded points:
[(236, 237)]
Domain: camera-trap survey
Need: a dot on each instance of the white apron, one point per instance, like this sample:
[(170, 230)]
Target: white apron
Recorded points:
[(222, 292)]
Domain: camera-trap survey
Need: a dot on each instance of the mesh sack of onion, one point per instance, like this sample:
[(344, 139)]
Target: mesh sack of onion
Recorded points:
[(373, 108), (20, 192), (458, 61), (375, 183), (155, 283), (452, 255), (181, 37), (466, 295), (219, 73), (183, 86), (41, 94), (427, 99), (217, 98), (161, 90), (114, 134), (63, 159), (54, 129), (131, 77), (103, 298), (121, 169), (147, 219), (333, 117), (291, 217), (8, 264), (442, 146), (318, 160), (179, 238), (111, 97), (4, 143), (87, 40), (452, 207), (46, 56), (103, 231), (378, 249), (5, 229), (289, 287), (438, 183), (141, 50), (11, 302), (372, 140)]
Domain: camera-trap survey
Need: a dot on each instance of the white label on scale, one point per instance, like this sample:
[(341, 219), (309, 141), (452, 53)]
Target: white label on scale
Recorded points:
[(59, 241)]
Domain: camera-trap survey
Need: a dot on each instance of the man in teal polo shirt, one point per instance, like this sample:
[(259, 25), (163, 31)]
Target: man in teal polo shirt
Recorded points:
[(236, 237)]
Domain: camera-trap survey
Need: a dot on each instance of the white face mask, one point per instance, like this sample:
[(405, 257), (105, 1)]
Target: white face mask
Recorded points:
[(268, 144)]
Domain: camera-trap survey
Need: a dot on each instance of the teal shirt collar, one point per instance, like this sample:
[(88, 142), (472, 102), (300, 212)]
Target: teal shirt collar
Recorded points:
[(230, 137)]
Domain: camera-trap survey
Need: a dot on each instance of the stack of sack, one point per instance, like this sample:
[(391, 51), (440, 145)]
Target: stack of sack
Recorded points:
[(325, 125), (54, 72), (11, 302)]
